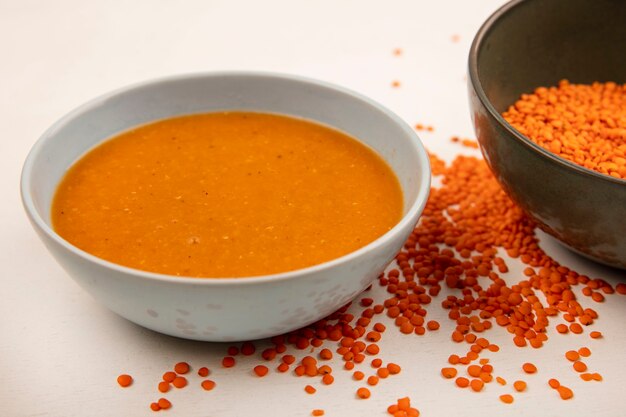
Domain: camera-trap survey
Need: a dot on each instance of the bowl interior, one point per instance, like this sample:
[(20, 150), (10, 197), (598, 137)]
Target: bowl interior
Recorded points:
[(109, 115), (534, 43)]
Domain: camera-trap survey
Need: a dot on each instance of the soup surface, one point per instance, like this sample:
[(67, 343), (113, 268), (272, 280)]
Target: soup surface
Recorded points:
[(229, 194)]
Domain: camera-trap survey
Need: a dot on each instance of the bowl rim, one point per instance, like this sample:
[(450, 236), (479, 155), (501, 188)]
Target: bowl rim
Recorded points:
[(410, 216), (473, 71)]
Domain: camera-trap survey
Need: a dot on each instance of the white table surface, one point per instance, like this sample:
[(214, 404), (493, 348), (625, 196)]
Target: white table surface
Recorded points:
[(60, 351)]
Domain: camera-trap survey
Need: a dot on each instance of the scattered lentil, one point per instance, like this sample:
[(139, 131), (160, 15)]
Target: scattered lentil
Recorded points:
[(207, 384), (506, 398), (519, 386), (124, 380), (529, 368)]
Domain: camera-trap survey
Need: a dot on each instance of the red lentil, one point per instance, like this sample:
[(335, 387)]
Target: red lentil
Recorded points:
[(169, 376), (519, 386), (207, 384), (477, 385), (317, 413), (403, 408), (565, 392), (448, 372), (529, 368), (164, 404), (506, 398), (181, 368), (203, 372), (180, 382), (580, 366), (228, 362), (261, 370), (584, 351), (363, 393), (596, 141), (124, 380), (310, 389), (462, 382)]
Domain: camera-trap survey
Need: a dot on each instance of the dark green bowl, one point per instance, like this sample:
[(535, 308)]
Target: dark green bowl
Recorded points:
[(532, 43)]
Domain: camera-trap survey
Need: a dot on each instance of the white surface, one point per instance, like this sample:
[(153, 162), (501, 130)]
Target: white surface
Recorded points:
[(60, 351)]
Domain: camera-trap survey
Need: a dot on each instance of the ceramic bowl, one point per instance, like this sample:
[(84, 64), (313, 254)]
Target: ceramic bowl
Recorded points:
[(532, 43), (225, 309)]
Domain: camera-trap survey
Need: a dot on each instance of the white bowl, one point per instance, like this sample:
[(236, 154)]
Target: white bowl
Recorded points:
[(225, 309)]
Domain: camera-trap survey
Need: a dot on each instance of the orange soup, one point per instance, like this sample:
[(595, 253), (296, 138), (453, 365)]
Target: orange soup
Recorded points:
[(229, 194)]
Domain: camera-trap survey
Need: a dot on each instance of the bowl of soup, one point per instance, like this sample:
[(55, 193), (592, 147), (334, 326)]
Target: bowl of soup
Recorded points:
[(226, 206)]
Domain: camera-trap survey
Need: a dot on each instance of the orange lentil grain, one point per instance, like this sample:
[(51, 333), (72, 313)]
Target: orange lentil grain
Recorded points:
[(565, 392), (506, 398), (326, 354), (181, 368), (474, 370), (529, 368), (576, 328), (180, 382), (433, 325), (519, 386), (169, 376), (248, 348), (124, 380), (562, 328), (317, 412), (207, 384), (372, 380), (572, 355), (203, 372), (164, 404), (393, 368), (588, 141), (261, 370), (363, 393), (358, 375), (584, 351), (155, 407), (309, 389), (163, 386), (554, 383), (477, 385), (580, 366), (501, 380), (328, 379), (448, 372), (462, 382), (228, 362), (595, 335)]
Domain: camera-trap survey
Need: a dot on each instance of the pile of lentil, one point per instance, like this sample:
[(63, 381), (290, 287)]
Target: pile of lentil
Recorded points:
[(585, 124), (466, 226)]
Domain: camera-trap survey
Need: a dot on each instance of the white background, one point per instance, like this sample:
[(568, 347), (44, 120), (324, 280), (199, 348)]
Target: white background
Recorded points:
[(60, 351)]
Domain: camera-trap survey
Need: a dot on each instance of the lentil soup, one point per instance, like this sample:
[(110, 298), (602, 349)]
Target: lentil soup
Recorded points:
[(228, 194)]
